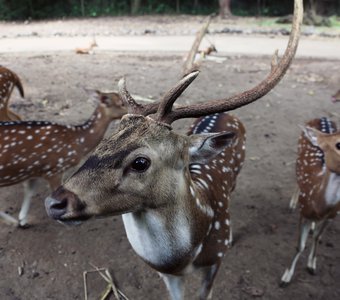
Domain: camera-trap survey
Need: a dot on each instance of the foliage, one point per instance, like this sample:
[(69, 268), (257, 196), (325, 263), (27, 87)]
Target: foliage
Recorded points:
[(39, 9)]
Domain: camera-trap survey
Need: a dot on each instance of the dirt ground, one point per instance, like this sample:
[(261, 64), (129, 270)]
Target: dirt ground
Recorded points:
[(47, 260)]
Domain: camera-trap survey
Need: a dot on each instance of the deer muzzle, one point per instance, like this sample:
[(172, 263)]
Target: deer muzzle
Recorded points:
[(65, 206)]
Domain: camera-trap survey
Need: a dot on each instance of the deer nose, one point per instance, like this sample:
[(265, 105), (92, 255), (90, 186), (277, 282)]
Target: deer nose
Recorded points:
[(63, 202)]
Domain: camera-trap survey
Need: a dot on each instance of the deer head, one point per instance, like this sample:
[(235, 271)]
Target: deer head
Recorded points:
[(142, 153), (329, 144)]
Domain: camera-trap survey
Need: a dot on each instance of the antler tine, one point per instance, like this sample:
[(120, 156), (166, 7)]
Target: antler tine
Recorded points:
[(244, 98), (172, 95), (132, 105), (130, 102)]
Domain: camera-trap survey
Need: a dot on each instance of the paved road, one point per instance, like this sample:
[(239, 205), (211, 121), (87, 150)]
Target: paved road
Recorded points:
[(316, 48)]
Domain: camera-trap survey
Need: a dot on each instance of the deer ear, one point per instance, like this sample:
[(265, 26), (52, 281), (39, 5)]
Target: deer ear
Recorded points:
[(311, 134), (111, 98), (204, 147), (94, 95), (108, 98)]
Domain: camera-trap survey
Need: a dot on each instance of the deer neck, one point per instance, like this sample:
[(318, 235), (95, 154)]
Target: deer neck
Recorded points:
[(165, 237), (320, 196), (93, 130), (332, 189)]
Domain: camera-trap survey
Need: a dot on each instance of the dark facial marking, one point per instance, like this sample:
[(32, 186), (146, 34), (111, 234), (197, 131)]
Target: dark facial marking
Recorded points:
[(107, 162)]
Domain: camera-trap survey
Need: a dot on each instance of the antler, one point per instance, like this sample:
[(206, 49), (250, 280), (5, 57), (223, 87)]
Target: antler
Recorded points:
[(172, 95), (131, 104), (167, 115)]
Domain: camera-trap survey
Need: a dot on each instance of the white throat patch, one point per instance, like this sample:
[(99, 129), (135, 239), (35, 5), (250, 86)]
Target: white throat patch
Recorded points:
[(151, 238)]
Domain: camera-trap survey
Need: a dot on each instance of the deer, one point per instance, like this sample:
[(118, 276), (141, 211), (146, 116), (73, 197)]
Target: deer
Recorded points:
[(39, 149), (172, 190), (8, 81), (318, 193), (88, 49), (336, 96)]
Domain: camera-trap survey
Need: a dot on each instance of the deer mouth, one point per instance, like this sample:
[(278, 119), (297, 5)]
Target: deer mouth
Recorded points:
[(73, 221)]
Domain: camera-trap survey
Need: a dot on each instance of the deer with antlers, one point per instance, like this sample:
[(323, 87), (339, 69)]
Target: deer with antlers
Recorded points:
[(172, 190), (8, 81), (38, 149), (318, 193)]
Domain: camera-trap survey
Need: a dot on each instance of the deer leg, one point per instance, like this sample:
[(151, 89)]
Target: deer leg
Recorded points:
[(295, 198), (311, 265), (29, 190), (55, 181), (13, 116), (30, 187), (174, 285), (208, 280), (6, 99), (8, 218), (303, 235)]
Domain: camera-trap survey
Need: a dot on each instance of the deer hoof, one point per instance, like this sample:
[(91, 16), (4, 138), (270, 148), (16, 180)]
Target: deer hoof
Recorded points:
[(23, 225), (283, 284), (311, 271), (285, 280)]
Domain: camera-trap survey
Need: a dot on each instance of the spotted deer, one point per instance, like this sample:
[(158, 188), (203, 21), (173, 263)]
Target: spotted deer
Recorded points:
[(8, 81), (88, 49), (318, 194), (172, 190), (34, 149), (336, 96)]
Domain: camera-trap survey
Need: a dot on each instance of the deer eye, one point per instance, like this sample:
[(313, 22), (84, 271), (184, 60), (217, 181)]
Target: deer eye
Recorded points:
[(140, 164), (337, 145)]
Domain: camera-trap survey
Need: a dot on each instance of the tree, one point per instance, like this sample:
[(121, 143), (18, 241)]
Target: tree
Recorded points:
[(225, 10), (135, 5)]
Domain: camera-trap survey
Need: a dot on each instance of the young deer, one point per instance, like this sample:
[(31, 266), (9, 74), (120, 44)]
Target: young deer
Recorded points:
[(29, 150), (87, 50), (318, 194), (173, 190), (8, 80), (336, 96)]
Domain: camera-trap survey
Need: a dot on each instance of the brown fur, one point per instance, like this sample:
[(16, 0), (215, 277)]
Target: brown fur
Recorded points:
[(309, 167), (317, 169), (8, 80), (87, 50), (45, 150)]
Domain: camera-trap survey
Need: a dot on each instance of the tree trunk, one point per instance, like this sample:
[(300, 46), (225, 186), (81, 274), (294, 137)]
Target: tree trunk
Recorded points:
[(259, 8), (225, 10), (135, 6), (312, 8), (82, 8)]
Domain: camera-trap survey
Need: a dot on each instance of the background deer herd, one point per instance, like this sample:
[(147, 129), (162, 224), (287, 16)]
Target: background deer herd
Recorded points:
[(33, 149)]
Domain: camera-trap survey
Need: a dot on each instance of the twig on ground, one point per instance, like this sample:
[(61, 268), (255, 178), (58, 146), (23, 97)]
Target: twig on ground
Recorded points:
[(111, 287)]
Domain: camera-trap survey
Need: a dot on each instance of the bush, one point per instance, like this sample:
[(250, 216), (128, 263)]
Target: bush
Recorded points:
[(42, 9)]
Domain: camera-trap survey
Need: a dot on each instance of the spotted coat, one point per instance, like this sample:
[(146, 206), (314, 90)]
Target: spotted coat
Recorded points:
[(40, 149), (312, 175), (318, 193), (216, 180), (8, 80)]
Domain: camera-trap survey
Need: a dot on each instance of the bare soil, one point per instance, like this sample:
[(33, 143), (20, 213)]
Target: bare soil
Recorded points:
[(47, 260)]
